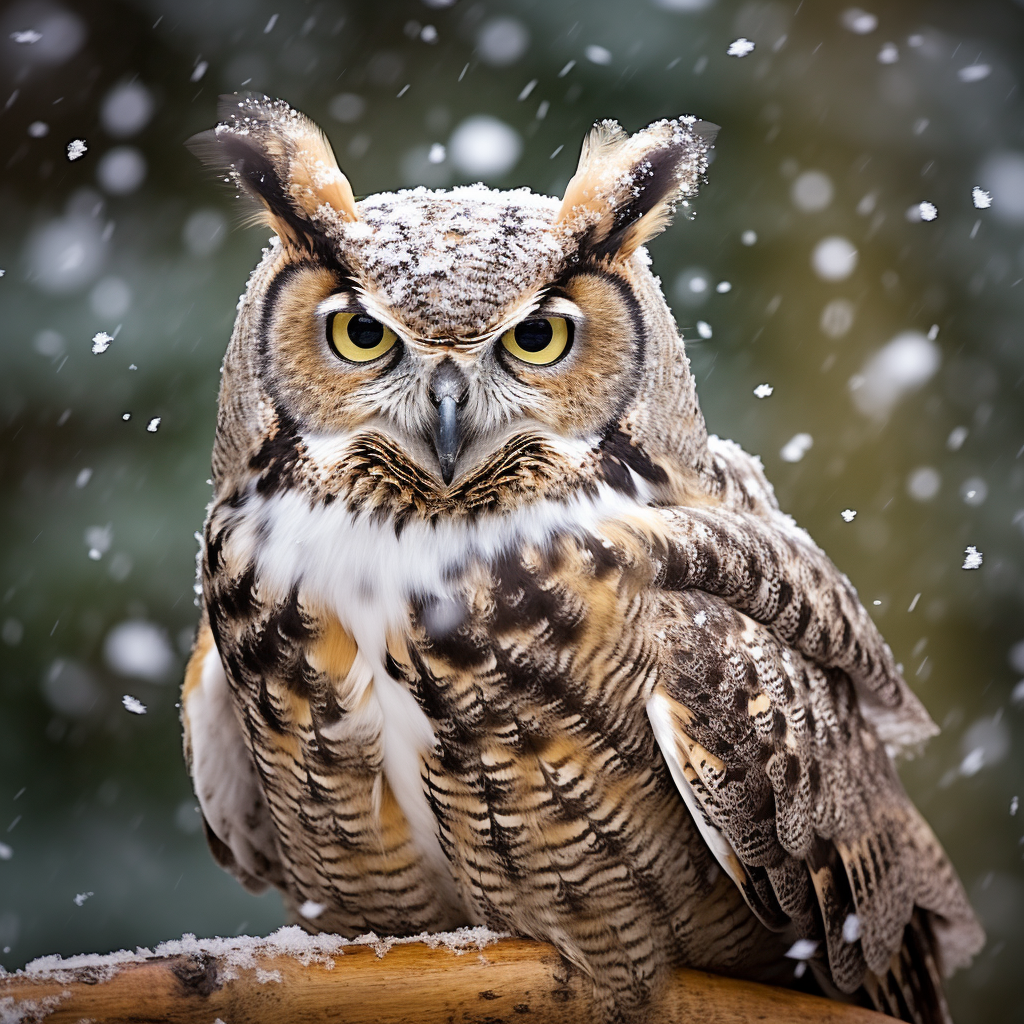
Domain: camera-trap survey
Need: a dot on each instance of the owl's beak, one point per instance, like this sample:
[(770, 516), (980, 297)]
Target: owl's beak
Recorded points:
[(448, 387)]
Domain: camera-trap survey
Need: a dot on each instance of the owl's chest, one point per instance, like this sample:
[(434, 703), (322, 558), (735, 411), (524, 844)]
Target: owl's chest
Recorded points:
[(493, 680)]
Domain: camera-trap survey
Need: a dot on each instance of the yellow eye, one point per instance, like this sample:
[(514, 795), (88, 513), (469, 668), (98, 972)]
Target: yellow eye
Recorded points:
[(358, 337), (539, 341)]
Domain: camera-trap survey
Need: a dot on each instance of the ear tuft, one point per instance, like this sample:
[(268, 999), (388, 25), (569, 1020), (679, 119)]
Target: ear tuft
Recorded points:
[(626, 187), (283, 160)]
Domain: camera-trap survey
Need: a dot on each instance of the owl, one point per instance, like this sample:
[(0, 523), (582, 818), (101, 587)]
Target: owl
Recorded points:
[(494, 632)]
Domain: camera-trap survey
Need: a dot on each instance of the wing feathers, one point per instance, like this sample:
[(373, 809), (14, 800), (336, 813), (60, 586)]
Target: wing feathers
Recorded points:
[(772, 571), (791, 782)]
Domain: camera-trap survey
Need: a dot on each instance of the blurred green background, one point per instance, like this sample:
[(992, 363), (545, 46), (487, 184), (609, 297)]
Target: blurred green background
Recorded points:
[(893, 344)]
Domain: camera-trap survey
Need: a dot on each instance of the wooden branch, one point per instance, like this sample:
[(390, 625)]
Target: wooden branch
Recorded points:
[(469, 976)]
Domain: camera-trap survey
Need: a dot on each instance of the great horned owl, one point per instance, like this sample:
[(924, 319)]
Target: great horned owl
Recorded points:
[(493, 632)]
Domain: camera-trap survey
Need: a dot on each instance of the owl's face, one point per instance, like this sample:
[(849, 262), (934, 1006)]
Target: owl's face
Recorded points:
[(451, 352)]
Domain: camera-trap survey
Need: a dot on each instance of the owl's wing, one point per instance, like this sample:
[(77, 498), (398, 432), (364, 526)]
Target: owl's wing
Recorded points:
[(234, 810), (761, 713), (770, 569)]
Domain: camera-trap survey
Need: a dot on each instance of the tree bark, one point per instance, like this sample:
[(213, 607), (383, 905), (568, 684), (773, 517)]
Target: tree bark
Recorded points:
[(469, 977)]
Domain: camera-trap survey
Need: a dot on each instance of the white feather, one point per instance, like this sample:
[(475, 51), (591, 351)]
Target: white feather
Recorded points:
[(665, 733), (226, 783)]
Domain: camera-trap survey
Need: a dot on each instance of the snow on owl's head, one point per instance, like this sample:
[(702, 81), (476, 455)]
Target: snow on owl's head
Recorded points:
[(427, 353)]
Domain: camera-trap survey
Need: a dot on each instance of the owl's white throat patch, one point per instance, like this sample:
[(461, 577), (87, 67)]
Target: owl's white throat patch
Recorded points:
[(368, 572)]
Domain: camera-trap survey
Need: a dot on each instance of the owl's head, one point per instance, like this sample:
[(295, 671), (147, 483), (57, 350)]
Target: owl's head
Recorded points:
[(435, 353)]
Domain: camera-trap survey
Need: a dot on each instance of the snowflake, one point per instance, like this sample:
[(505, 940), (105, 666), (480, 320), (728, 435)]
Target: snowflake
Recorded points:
[(972, 558), (704, 329), (133, 704), (153, 425), (101, 342), (982, 199), (740, 47), (763, 390), (28, 36), (927, 211), (848, 515), (858, 21), (802, 949), (796, 448), (77, 148), (974, 73)]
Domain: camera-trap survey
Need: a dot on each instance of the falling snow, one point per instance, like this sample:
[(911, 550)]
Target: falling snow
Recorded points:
[(101, 342), (848, 515), (763, 390), (974, 73), (740, 47), (981, 199), (972, 558), (311, 910), (888, 54), (861, 22), (834, 258), (98, 540), (796, 448), (704, 329), (77, 148), (133, 704), (153, 425), (802, 949), (81, 898)]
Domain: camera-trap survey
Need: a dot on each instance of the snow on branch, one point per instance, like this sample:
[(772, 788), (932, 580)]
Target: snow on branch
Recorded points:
[(472, 975)]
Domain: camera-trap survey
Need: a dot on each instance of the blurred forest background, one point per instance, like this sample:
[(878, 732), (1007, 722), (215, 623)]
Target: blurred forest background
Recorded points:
[(859, 248)]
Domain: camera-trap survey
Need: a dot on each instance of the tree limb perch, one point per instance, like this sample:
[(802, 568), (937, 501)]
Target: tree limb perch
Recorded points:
[(469, 977)]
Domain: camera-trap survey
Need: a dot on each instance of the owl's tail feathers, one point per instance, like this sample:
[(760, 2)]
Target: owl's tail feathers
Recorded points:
[(914, 923), (911, 989)]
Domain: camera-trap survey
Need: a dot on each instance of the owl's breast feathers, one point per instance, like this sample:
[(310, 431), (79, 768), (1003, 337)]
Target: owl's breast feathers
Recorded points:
[(608, 705)]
